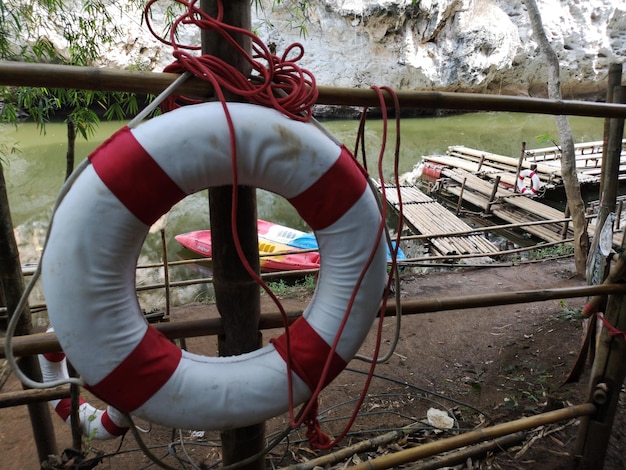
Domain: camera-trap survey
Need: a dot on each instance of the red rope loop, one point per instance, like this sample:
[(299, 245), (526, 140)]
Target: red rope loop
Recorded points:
[(276, 82), (611, 330)]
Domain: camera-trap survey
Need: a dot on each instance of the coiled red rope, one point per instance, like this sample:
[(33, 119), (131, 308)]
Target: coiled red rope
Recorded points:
[(276, 82)]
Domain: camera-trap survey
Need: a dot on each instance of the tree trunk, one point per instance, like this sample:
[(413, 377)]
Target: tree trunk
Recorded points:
[(568, 161)]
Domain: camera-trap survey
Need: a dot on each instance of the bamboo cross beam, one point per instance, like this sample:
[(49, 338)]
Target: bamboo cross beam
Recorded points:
[(109, 79), (40, 343)]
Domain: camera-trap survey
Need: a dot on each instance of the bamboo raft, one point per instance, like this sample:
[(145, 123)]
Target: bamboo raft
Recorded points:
[(504, 204), (423, 215), (489, 165)]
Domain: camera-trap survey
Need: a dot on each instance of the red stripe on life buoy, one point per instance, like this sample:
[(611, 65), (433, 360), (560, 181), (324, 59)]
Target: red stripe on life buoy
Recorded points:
[(308, 353), (112, 428), (131, 173), (141, 374), (54, 357), (347, 182), (64, 407)]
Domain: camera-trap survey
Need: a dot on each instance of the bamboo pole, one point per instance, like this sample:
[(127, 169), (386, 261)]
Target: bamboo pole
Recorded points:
[(460, 456), (40, 343), (473, 437), (614, 79), (30, 396), (12, 288), (519, 165), (106, 79), (607, 377), (237, 294), (492, 196)]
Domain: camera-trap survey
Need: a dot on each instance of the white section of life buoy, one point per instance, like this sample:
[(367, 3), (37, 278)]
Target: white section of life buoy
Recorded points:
[(88, 268), (535, 183), (94, 423)]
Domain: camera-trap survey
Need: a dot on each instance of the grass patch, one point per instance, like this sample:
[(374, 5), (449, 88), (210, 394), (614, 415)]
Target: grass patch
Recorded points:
[(300, 288)]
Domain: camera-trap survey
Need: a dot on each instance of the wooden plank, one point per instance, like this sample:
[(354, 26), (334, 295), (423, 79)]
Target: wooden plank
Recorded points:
[(425, 216), (488, 165)]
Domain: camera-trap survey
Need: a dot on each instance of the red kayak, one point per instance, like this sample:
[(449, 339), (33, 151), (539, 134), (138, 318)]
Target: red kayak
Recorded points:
[(200, 242)]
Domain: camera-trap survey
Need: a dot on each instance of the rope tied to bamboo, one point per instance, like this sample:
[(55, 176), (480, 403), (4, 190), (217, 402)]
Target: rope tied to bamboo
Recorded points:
[(278, 82)]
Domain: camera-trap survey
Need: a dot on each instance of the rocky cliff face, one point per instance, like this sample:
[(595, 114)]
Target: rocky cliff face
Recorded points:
[(455, 45), (469, 45)]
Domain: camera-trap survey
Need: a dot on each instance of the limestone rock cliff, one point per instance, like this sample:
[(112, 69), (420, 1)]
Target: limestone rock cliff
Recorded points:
[(453, 45)]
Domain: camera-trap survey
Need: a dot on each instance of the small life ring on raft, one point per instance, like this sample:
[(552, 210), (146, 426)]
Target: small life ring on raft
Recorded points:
[(535, 183), (95, 423), (137, 175)]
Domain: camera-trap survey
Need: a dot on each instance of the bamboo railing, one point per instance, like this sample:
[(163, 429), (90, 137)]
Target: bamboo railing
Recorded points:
[(108, 79)]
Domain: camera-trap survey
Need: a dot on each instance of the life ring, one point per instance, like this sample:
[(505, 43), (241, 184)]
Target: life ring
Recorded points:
[(535, 183), (88, 267), (95, 423)]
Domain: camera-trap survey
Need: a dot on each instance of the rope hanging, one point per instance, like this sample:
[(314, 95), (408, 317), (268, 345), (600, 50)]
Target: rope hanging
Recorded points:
[(279, 83)]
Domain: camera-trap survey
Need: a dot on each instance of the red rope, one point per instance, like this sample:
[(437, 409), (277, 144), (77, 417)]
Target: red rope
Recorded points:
[(611, 330), (280, 84), (317, 439), (277, 82)]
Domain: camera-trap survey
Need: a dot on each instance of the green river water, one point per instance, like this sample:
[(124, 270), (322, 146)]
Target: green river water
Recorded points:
[(35, 174)]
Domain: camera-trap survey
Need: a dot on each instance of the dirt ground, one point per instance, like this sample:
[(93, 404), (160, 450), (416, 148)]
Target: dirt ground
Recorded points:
[(481, 366)]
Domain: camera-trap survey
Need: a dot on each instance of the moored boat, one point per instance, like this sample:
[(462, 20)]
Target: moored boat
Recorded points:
[(273, 238), (274, 256), (297, 238)]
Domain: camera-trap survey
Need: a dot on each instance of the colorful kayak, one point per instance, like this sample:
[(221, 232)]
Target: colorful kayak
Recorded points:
[(273, 238), (297, 238), (200, 242)]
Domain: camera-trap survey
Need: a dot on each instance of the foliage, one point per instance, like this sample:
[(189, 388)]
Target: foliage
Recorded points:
[(568, 313), (542, 139), (298, 288), (7, 149), (298, 14), (87, 28), (554, 251)]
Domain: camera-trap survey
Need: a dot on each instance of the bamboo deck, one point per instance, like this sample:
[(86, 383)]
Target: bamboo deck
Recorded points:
[(489, 165), (470, 175), (424, 216), (511, 207)]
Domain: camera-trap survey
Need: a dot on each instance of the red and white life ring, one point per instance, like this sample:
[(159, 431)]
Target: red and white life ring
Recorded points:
[(95, 423), (88, 268), (535, 183)]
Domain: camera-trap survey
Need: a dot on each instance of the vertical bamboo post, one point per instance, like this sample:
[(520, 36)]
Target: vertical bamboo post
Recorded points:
[(519, 165), (614, 79), (459, 203), (492, 197), (565, 227), (612, 151), (607, 377), (12, 285), (236, 293), (480, 163)]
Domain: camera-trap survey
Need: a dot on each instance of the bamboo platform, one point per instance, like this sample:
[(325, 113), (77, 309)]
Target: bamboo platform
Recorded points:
[(470, 175), (489, 165), (424, 216), (504, 204)]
